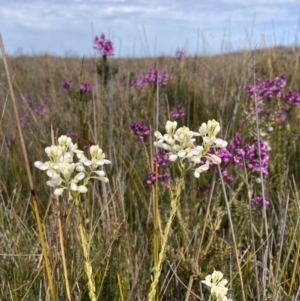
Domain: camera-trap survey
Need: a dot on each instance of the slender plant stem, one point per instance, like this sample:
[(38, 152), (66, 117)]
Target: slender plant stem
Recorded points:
[(43, 245), (84, 244), (295, 268), (61, 242), (174, 207), (197, 253), (29, 176), (120, 286), (233, 235), (155, 226)]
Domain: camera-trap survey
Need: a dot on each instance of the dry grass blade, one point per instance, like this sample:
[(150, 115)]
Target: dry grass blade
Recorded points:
[(29, 176)]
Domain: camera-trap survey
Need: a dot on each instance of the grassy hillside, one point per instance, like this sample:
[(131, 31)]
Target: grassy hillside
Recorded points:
[(240, 217)]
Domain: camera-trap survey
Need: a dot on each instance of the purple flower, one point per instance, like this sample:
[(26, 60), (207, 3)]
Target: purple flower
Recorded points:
[(162, 78), (160, 157), (176, 113), (103, 45), (29, 99), (67, 83), (150, 76), (268, 88), (153, 177), (153, 76), (24, 120), (225, 155), (41, 110), (140, 129), (136, 82), (259, 201), (243, 156), (180, 53), (252, 158), (292, 97), (85, 88), (47, 99), (282, 115), (235, 141), (226, 176), (203, 188)]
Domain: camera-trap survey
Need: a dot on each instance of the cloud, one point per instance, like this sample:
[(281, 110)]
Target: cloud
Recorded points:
[(75, 22)]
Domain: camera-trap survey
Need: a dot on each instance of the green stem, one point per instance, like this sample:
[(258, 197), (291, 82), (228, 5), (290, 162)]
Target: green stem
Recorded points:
[(63, 256), (84, 244), (155, 226), (42, 241), (174, 207)]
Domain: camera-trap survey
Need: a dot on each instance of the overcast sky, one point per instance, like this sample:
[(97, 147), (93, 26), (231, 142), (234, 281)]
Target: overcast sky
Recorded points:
[(147, 27)]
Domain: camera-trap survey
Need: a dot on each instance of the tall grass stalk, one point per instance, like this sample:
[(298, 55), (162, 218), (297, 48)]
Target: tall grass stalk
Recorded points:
[(29, 177), (85, 248), (232, 234), (156, 223), (175, 197), (62, 248), (199, 247)]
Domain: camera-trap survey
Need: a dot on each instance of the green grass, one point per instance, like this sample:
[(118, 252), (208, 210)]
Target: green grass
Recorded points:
[(118, 217)]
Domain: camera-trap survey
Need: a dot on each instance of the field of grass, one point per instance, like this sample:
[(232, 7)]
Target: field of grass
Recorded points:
[(221, 222)]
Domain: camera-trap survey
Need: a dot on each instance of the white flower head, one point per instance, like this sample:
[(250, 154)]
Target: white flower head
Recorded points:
[(72, 176), (203, 129), (213, 158), (101, 176), (217, 285), (201, 169), (171, 127), (181, 145), (64, 140)]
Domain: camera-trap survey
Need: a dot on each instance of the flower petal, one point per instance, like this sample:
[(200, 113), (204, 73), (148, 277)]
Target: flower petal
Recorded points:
[(82, 189)]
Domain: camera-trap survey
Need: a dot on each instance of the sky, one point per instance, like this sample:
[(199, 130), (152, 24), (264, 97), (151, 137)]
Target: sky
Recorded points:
[(140, 28)]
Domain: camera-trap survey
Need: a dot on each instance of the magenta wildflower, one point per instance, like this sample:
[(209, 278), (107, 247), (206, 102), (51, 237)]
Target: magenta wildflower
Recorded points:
[(47, 99), (29, 99), (85, 88), (24, 120), (292, 97), (282, 115), (226, 176), (153, 76), (41, 110), (203, 188), (176, 113), (103, 45), (268, 88), (67, 84), (252, 158), (180, 53), (243, 156), (161, 157), (150, 76), (136, 82), (153, 177), (162, 78), (259, 201), (140, 129)]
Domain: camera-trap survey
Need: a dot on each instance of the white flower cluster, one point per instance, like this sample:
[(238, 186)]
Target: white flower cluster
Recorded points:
[(180, 144), (64, 174), (218, 290)]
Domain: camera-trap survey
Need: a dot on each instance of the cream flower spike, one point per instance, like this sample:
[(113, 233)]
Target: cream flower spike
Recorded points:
[(72, 176), (181, 145)]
